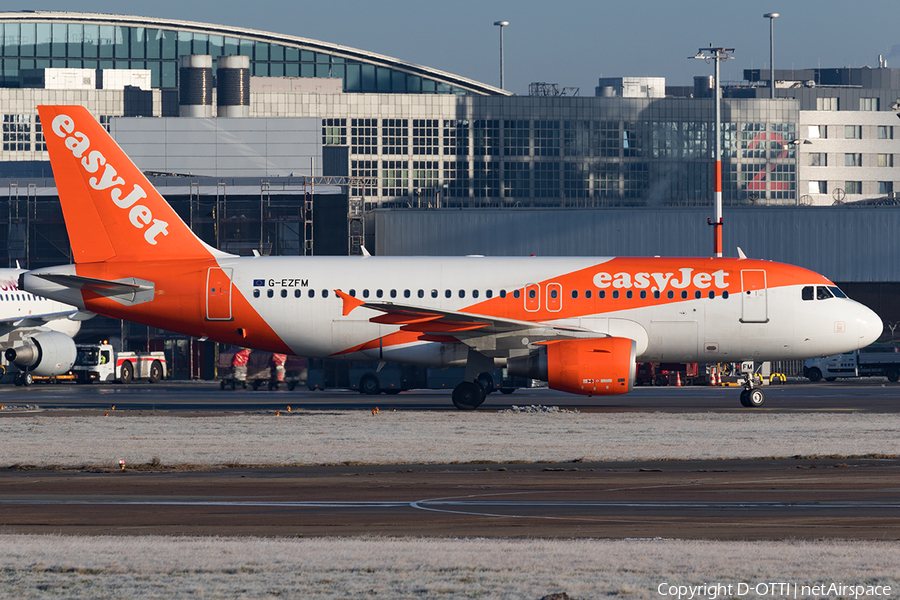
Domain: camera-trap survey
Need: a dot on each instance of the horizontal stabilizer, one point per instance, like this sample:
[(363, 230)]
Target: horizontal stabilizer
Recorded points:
[(127, 291)]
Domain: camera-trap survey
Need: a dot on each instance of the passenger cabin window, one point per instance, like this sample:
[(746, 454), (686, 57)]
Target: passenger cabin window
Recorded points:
[(297, 293), (270, 293), (365, 293), (324, 293), (406, 293), (574, 294), (284, 293), (823, 293), (434, 293), (503, 293), (393, 293), (587, 294), (474, 293), (462, 293), (489, 293), (312, 293), (447, 293), (516, 294), (807, 293), (255, 294)]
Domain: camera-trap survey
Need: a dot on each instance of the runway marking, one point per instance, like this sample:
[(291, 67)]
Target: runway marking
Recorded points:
[(428, 504)]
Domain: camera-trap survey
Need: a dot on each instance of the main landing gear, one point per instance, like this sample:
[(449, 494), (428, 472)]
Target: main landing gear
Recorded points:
[(752, 396), (469, 395)]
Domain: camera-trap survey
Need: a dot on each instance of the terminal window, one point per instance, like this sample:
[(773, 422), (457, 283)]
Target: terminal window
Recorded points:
[(425, 136), (364, 136), (486, 137), (456, 137), (395, 136), (16, 132), (486, 179), (516, 138)]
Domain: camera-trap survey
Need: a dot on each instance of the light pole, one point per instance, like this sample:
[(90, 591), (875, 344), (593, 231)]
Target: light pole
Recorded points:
[(501, 25), (771, 17), (716, 55)]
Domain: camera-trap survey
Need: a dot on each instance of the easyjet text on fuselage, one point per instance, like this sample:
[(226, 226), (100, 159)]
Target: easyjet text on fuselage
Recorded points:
[(685, 277)]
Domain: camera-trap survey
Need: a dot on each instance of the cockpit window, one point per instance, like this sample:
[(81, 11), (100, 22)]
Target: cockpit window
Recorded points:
[(837, 291), (808, 293), (823, 293)]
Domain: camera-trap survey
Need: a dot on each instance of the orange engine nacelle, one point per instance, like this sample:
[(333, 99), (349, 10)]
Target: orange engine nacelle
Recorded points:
[(588, 366)]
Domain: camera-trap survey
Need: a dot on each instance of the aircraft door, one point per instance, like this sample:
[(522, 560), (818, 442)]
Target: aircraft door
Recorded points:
[(554, 297), (218, 294), (754, 307)]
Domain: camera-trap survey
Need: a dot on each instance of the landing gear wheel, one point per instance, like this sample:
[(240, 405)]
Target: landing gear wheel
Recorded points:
[(744, 394), (127, 372), (156, 372), (468, 395), (369, 384), (755, 398), (486, 382)]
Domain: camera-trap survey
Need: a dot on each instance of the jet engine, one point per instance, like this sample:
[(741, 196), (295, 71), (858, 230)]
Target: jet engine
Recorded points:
[(588, 366), (45, 353)]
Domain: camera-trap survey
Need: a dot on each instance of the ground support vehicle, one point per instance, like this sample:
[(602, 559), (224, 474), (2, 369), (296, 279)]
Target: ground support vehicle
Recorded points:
[(100, 362), (373, 377), (877, 360)]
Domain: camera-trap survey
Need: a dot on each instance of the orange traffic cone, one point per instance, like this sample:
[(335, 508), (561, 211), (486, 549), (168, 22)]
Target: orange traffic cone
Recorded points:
[(712, 377), (719, 378), (678, 379)]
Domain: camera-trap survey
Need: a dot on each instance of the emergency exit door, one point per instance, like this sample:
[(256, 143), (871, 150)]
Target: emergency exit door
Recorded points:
[(754, 307), (218, 294)]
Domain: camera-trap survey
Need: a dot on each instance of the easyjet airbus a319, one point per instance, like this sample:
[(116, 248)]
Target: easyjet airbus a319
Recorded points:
[(579, 324)]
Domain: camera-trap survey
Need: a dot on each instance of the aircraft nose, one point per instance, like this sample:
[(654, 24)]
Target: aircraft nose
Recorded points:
[(869, 324)]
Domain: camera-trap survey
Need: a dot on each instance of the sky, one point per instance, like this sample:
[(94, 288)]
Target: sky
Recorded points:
[(567, 42)]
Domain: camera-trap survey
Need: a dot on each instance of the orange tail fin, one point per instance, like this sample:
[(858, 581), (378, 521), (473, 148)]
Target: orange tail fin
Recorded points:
[(112, 211)]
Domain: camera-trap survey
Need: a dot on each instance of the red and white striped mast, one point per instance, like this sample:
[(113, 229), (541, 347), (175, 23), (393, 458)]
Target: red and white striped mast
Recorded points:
[(716, 55)]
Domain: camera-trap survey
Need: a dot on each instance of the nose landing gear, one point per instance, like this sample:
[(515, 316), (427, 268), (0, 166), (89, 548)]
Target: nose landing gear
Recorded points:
[(752, 396)]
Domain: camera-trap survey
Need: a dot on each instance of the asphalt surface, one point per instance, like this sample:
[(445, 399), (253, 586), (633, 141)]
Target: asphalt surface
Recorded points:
[(726, 499), (749, 500), (871, 395)]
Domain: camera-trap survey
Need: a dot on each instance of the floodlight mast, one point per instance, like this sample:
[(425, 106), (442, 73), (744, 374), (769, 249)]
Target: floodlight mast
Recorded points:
[(716, 55), (501, 25), (771, 17)]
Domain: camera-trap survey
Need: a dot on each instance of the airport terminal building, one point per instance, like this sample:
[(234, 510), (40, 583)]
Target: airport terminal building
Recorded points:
[(288, 145)]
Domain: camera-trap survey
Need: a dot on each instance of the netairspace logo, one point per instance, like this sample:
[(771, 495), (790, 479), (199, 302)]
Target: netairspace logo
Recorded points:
[(771, 589)]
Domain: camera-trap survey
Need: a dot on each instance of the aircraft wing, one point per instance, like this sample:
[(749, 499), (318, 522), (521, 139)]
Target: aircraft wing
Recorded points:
[(469, 328), (38, 320)]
